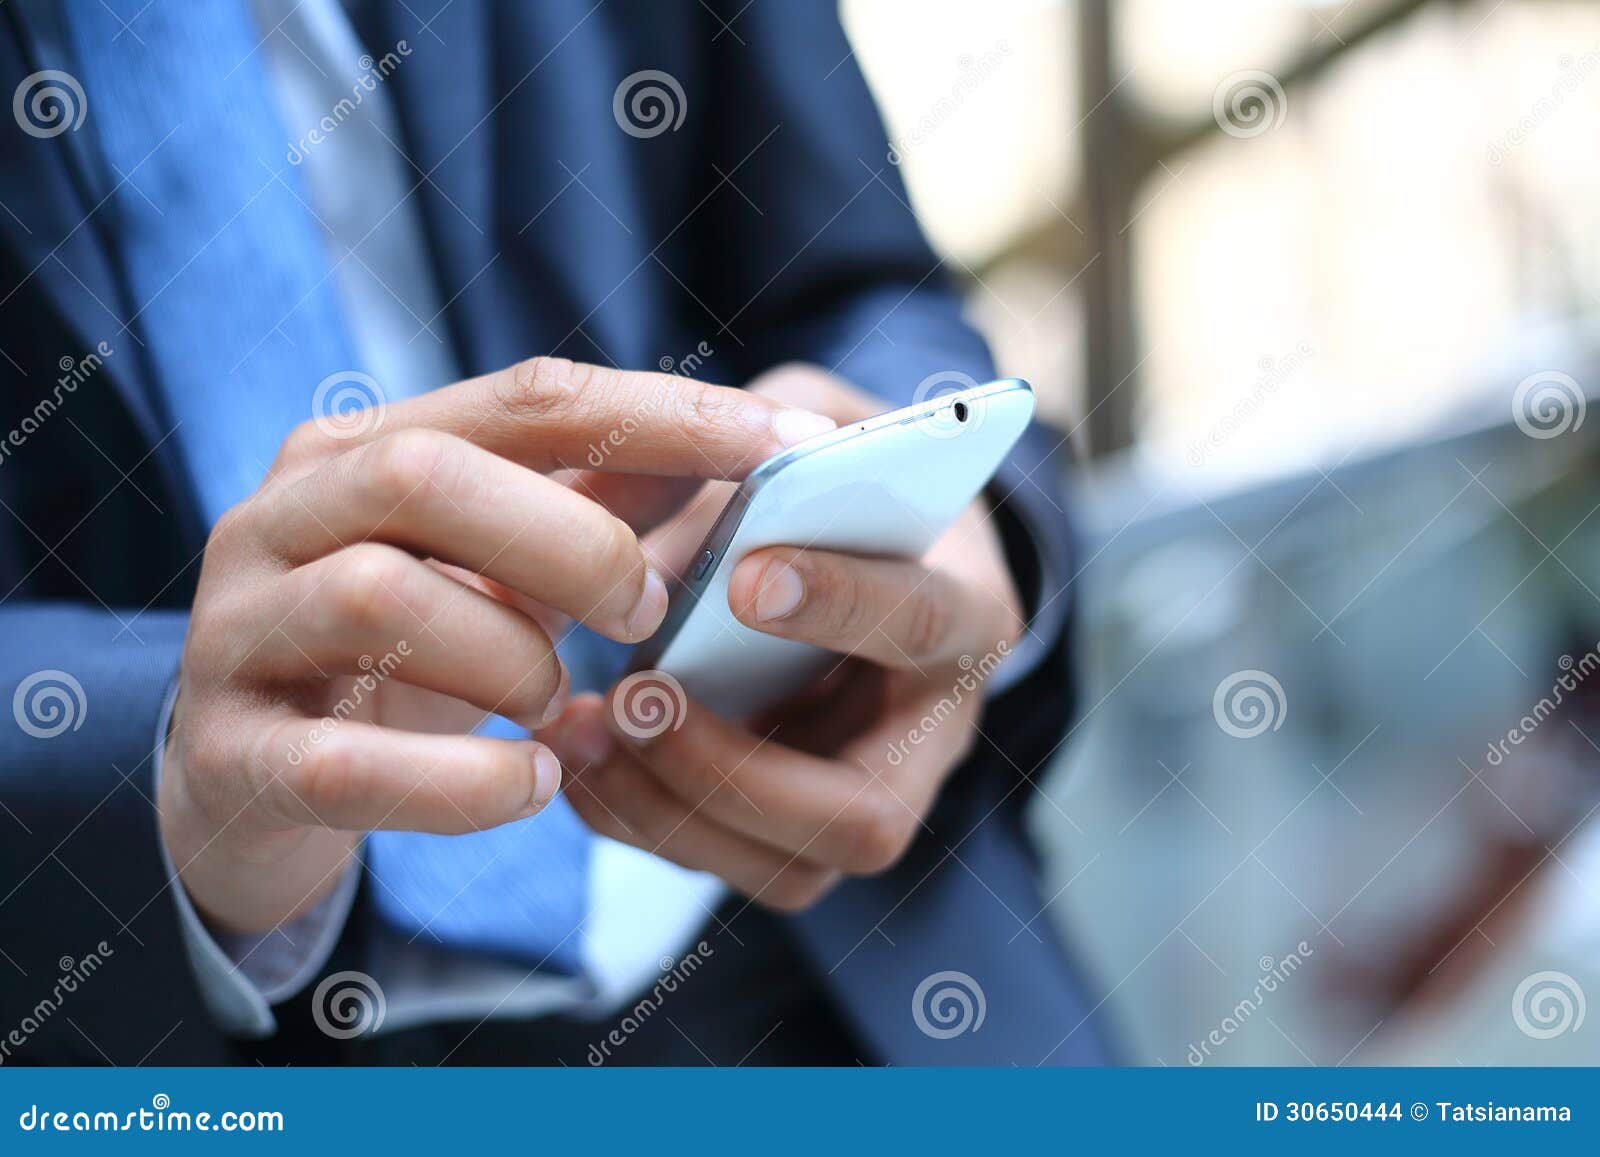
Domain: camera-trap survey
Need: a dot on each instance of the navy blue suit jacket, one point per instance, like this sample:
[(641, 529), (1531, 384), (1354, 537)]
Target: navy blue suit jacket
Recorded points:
[(100, 538)]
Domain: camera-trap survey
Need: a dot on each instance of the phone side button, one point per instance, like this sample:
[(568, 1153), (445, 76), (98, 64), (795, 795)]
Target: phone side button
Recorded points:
[(702, 565)]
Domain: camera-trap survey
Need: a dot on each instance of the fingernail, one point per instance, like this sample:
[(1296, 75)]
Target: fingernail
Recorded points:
[(589, 740), (651, 608), (780, 593), (795, 426), (558, 701), (546, 780)]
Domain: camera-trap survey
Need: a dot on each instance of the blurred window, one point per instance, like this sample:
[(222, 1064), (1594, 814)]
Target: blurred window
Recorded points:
[(1399, 213)]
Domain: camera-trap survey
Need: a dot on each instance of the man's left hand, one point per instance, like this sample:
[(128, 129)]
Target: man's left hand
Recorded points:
[(839, 779)]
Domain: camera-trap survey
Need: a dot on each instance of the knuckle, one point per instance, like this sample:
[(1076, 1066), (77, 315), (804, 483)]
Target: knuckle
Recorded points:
[(215, 608), (249, 533), (541, 386), (307, 442), (878, 831), (404, 464), (240, 515), (327, 782), (928, 622), (839, 596), (368, 586), (209, 625), (713, 408), (244, 534), (222, 643)]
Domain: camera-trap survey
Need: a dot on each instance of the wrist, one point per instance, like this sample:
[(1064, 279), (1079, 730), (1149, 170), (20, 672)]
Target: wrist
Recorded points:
[(238, 881)]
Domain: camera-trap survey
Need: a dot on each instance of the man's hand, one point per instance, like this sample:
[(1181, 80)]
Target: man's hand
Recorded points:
[(382, 591), (839, 780)]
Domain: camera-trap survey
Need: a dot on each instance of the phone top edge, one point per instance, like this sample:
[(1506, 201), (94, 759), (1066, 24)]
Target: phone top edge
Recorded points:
[(726, 526), (764, 472), (770, 469)]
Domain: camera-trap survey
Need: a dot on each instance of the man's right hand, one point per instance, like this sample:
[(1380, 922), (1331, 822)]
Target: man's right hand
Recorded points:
[(403, 578)]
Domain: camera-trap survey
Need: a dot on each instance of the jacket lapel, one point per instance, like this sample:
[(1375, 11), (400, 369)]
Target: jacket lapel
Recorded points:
[(48, 188), (444, 105), (54, 199)]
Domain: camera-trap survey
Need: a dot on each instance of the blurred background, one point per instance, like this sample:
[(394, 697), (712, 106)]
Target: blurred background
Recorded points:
[(1312, 291)]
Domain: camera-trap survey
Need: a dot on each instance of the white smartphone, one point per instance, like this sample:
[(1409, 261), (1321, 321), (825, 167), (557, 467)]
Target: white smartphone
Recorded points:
[(887, 486)]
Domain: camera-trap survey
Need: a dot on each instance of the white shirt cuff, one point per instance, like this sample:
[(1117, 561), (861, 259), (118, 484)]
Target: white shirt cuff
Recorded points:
[(241, 976)]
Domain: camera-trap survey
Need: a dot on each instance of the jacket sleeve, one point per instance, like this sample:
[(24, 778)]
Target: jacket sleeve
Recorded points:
[(819, 257), (93, 969)]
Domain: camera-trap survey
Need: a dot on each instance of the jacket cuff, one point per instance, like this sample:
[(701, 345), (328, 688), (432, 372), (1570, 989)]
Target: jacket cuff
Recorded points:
[(1041, 585)]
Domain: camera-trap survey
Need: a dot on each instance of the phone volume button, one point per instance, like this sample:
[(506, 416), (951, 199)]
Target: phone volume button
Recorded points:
[(702, 565)]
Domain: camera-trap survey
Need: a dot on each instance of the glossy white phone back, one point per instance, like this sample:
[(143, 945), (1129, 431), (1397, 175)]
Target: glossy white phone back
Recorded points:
[(888, 486)]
